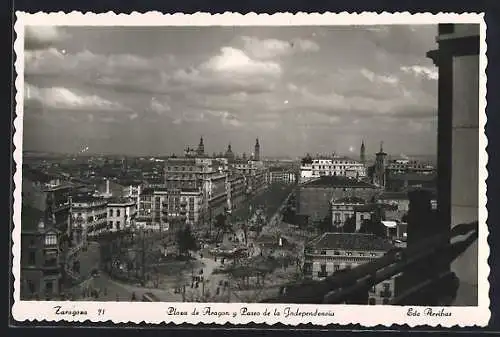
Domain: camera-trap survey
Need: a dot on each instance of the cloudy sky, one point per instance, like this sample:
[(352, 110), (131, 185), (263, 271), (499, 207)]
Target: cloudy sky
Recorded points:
[(154, 90)]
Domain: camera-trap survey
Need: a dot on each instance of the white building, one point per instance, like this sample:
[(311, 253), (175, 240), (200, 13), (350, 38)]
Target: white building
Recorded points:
[(331, 166), (89, 214), (121, 214)]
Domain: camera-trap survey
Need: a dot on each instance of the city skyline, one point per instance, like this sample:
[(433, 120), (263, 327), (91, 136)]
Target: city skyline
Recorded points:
[(156, 90)]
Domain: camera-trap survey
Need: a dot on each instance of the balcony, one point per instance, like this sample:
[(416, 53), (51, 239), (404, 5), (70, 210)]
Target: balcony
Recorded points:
[(60, 207)]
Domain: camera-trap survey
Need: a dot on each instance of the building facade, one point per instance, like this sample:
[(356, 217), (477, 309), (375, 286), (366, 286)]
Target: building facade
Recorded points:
[(89, 215), (331, 166), (344, 209), (333, 252), (278, 175), (314, 197), (41, 259), (121, 214), (404, 166)]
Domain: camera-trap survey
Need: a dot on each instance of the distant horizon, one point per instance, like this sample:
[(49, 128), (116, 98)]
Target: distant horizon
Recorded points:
[(111, 154)]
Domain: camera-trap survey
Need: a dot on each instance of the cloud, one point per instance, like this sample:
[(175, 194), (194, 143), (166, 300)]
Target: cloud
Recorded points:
[(272, 48), (372, 77), (230, 71), (42, 37), (421, 71), (235, 62), (133, 116), (159, 107), (54, 61), (226, 118), (63, 98)]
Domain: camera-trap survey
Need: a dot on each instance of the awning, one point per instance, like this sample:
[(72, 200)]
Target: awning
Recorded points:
[(390, 224)]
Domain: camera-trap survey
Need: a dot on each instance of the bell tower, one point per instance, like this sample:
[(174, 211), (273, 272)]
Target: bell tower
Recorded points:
[(380, 165), (362, 154), (257, 150)]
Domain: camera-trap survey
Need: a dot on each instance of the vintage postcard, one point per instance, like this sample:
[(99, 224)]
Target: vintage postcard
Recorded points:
[(288, 168)]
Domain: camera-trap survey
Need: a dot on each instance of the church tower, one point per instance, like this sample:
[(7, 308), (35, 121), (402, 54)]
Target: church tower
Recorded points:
[(362, 156), (380, 167), (257, 150), (229, 154), (201, 148)]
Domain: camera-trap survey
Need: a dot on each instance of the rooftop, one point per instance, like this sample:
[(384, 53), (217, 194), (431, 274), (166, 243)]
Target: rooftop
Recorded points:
[(151, 190), (128, 182), (190, 190), (337, 181), (87, 199), (413, 177), (373, 206), (349, 200), (393, 196), (280, 169), (350, 241), (120, 201)]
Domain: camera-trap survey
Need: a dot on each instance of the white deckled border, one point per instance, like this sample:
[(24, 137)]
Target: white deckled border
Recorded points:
[(154, 313)]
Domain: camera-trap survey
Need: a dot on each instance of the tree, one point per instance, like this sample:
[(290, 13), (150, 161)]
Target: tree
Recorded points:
[(186, 241), (350, 225), (221, 224)]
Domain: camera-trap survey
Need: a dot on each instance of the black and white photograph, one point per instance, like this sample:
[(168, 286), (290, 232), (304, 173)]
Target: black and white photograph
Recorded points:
[(256, 164)]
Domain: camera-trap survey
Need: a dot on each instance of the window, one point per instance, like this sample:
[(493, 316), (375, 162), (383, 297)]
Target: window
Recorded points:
[(32, 258), (51, 240), (387, 285), (323, 268), (111, 212), (373, 290), (110, 224), (118, 225), (323, 252), (336, 267), (117, 212), (337, 217)]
